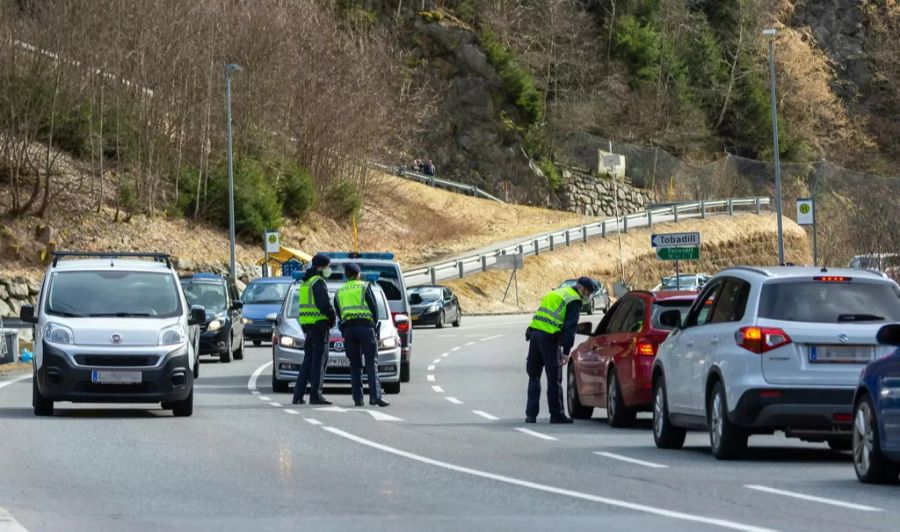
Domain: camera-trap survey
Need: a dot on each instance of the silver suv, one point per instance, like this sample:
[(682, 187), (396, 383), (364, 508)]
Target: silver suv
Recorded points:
[(113, 330), (766, 349)]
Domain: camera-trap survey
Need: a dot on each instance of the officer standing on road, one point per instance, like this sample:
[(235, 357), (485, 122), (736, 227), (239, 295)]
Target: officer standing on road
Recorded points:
[(356, 306), (316, 318), (551, 336)]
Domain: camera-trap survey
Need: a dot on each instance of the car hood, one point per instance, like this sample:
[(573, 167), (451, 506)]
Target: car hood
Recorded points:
[(425, 304), (128, 331), (255, 311)]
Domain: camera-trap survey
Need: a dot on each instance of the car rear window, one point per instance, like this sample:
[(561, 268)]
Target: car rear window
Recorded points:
[(293, 310), (388, 277), (661, 306), (210, 296), (830, 302), (265, 293)]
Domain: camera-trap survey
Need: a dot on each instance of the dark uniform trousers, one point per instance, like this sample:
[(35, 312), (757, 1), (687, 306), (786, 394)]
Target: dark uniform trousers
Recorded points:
[(315, 357), (359, 341), (543, 355)]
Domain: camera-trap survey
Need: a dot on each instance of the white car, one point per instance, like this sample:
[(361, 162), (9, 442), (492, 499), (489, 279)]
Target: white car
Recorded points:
[(766, 349), (113, 330)]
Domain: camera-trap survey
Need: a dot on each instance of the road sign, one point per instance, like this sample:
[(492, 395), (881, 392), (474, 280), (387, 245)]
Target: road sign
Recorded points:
[(805, 211), (510, 262), (685, 253), (290, 266), (273, 242), (611, 164), (675, 240)]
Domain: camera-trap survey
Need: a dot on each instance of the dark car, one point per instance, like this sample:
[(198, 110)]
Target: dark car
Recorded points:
[(223, 333), (599, 300), (613, 368), (876, 414), (434, 305), (262, 297)]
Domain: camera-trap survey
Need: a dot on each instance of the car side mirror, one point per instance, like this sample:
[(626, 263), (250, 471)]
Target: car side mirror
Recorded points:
[(198, 315), (671, 318), (272, 318), (415, 299), (888, 335), (26, 314), (237, 305), (585, 328)]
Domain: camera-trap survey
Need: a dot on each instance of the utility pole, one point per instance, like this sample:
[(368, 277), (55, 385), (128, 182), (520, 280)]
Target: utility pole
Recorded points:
[(770, 33), (229, 70)]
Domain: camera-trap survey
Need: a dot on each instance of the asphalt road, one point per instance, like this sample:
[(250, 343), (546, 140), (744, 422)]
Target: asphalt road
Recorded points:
[(451, 453)]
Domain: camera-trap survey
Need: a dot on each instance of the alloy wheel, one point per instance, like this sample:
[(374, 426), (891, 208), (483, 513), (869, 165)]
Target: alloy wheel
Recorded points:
[(863, 439), (716, 421)]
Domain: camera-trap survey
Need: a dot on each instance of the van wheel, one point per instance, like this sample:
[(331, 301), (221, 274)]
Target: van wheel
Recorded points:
[(42, 405), (184, 408), (279, 386), (576, 409), (404, 372), (665, 434), (726, 439), (197, 368), (239, 354), (617, 414), (391, 387)]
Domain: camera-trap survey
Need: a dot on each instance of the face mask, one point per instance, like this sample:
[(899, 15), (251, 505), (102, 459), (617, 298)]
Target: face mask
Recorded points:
[(326, 272)]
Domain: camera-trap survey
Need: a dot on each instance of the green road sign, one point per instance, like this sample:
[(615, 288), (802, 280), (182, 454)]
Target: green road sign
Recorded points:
[(678, 253)]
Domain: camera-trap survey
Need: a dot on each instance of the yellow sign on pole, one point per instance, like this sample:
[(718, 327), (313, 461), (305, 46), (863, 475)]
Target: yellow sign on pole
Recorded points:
[(355, 236)]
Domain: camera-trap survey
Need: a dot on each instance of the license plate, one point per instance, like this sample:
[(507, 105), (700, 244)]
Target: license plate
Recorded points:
[(841, 354), (116, 377), (339, 362)]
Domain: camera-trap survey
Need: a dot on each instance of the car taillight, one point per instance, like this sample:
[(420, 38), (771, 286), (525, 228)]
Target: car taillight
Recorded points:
[(832, 279), (761, 339), (646, 348), (401, 321)]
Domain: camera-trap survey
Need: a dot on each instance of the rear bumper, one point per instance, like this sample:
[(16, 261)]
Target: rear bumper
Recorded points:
[(60, 380), (802, 412), (287, 364)]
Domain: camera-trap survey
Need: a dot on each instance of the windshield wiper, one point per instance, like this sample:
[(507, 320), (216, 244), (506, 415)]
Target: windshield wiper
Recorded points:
[(65, 314), (121, 315), (860, 317)]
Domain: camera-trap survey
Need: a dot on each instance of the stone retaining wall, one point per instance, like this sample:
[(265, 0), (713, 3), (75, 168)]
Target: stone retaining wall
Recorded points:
[(596, 197)]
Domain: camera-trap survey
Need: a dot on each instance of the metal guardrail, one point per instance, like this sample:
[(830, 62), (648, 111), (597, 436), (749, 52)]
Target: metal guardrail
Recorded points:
[(535, 245), (437, 182)]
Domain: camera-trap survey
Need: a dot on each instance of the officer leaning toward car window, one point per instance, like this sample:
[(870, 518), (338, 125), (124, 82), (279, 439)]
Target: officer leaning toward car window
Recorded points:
[(551, 336), (316, 318), (355, 305)]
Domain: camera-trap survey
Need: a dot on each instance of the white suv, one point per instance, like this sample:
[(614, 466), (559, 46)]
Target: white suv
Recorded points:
[(113, 329), (765, 349)]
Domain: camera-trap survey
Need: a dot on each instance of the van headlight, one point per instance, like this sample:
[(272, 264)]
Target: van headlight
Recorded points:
[(290, 341), (173, 335), (58, 334), (214, 325), (387, 343)]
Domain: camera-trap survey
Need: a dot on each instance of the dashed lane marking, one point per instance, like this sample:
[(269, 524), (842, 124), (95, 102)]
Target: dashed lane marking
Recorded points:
[(489, 338), (430, 378), (312, 421), (812, 498), (263, 398), (431, 367), (485, 415), (454, 400), (438, 389), (291, 411), (276, 405), (445, 355), (470, 343), (629, 460), (457, 348), (536, 434)]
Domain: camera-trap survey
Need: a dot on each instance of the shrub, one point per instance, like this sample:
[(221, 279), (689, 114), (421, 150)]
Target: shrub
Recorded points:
[(517, 81), (343, 200), (257, 206), (297, 191), (550, 172), (431, 16)]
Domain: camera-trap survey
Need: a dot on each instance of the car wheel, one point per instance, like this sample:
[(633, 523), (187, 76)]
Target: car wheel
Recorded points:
[(279, 386), (225, 357), (617, 414), (440, 321), (573, 401), (665, 434), (184, 408), (391, 388), (257, 343), (197, 368), (458, 321), (726, 439), (404, 372), (871, 466), (239, 354), (840, 444), (42, 405)]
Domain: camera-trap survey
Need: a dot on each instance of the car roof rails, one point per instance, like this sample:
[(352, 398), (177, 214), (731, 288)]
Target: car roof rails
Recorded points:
[(384, 255), (204, 275), (157, 257)]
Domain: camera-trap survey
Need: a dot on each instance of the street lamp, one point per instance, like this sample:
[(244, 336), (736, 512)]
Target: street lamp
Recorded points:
[(770, 34), (229, 70)]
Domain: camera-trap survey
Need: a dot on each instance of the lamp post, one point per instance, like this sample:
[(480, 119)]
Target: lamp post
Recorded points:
[(770, 34), (229, 70)]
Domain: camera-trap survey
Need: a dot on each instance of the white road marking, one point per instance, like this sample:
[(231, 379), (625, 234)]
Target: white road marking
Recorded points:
[(4, 384), (654, 510), (256, 392), (457, 348), (8, 523), (470, 343), (263, 398), (812, 498), (454, 400), (378, 415), (276, 405), (251, 384), (438, 389), (485, 415), (629, 460), (332, 409), (436, 361), (431, 367), (489, 338), (312, 421), (291, 411), (430, 378), (536, 434), (445, 355)]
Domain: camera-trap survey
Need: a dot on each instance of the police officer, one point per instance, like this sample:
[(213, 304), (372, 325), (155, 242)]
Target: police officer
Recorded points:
[(551, 336), (356, 306), (316, 318)]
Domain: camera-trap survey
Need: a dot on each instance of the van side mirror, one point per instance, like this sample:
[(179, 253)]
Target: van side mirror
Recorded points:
[(585, 328), (26, 314), (670, 318), (888, 335), (237, 305), (198, 315)]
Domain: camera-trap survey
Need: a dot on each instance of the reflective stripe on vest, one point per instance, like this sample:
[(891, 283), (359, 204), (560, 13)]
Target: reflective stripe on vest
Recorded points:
[(309, 312), (551, 314), (352, 300)]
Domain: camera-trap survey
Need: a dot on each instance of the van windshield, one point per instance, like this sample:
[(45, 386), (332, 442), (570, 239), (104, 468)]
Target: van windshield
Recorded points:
[(113, 294)]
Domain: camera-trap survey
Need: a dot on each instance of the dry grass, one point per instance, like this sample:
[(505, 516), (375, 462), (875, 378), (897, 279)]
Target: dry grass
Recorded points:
[(14, 369), (746, 239)]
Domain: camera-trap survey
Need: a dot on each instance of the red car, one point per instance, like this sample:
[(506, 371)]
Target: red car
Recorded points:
[(613, 367)]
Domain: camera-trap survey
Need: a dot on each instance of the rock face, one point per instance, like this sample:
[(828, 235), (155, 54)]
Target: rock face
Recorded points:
[(597, 197)]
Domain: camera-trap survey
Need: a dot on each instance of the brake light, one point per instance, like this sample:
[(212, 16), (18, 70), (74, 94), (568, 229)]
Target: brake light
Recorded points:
[(832, 279), (844, 417), (761, 339), (401, 321), (646, 348)]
